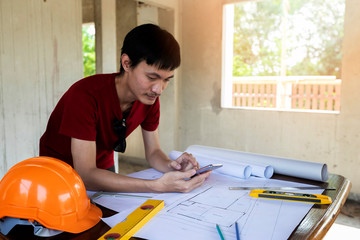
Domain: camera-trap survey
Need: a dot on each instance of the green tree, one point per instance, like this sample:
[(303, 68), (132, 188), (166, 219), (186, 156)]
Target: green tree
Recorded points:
[(88, 39), (320, 36), (313, 37), (257, 38)]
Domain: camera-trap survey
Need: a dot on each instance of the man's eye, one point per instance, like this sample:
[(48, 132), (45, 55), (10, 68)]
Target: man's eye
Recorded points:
[(151, 78)]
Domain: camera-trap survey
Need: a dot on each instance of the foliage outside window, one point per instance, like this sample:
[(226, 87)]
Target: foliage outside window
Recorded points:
[(88, 39), (283, 54)]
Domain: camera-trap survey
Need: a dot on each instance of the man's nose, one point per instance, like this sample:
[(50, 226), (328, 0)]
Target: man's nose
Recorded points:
[(158, 87)]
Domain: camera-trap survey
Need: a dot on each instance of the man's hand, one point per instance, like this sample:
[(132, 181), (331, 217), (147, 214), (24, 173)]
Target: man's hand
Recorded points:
[(175, 181), (184, 163)]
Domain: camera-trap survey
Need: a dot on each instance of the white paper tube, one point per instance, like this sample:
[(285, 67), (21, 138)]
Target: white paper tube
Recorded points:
[(285, 166), (258, 170)]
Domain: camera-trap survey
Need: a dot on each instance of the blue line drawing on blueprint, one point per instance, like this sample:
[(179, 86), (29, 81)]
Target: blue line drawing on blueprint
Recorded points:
[(214, 205)]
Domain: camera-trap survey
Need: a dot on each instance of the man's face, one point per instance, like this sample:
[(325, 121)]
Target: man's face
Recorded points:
[(147, 82)]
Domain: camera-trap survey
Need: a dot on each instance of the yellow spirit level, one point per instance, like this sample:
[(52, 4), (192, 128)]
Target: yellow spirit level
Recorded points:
[(291, 196), (124, 230)]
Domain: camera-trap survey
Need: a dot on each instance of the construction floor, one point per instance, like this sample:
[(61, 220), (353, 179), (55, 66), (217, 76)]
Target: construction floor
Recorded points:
[(346, 226)]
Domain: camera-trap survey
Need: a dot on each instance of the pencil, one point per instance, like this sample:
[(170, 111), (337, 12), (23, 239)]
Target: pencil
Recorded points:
[(237, 231), (219, 231)]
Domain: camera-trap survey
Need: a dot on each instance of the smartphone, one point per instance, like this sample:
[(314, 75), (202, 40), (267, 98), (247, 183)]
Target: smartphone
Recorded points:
[(207, 168)]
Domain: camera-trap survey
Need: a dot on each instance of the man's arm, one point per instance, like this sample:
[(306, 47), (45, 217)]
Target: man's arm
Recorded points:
[(84, 159)]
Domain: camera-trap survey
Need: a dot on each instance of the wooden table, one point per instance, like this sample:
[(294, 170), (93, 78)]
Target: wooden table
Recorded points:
[(314, 225)]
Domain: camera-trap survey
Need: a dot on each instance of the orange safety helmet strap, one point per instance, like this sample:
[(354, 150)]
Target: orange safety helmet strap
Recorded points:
[(50, 192)]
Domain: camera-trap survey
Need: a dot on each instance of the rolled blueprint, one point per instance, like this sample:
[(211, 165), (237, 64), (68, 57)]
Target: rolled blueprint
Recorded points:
[(258, 170), (231, 169), (285, 166)]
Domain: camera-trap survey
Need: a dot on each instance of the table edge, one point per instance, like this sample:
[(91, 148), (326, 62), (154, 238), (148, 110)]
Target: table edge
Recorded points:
[(319, 231)]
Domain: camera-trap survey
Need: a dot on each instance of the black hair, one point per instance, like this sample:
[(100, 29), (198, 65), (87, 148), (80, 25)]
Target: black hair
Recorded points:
[(150, 43)]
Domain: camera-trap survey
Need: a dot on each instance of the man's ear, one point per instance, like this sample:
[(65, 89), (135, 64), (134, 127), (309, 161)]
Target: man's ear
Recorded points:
[(126, 62)]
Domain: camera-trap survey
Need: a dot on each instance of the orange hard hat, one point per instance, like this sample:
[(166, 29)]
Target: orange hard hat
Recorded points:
[(49, 191)]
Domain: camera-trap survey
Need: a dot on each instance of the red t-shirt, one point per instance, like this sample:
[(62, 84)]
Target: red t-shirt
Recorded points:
[(87, 111)]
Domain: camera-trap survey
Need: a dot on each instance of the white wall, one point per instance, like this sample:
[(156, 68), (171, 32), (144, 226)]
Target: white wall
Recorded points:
[(40, 57)]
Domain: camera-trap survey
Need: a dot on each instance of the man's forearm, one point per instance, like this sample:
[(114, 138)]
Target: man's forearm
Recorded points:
[(159, 161), (104, 180)]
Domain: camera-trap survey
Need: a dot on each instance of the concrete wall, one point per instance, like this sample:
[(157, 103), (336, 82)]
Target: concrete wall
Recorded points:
[(329, 138), (347, 132), (40, 57)]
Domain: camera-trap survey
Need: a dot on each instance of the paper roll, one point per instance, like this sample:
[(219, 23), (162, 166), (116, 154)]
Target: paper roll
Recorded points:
[(257, 169), (285, 166)]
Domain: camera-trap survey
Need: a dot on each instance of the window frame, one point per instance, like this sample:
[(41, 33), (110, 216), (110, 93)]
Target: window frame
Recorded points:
[(283, 82)]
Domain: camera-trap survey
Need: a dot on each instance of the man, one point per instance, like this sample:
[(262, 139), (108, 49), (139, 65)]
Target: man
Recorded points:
[(97, 113)]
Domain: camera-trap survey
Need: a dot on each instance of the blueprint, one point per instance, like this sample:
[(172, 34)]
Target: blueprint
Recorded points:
[(194, 215)]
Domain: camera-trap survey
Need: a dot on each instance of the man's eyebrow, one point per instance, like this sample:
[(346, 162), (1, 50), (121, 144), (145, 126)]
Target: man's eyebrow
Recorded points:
[(158, 76)]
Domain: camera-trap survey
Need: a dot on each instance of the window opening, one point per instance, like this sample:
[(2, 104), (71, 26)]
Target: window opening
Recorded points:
[(283, 54), (88, 40)]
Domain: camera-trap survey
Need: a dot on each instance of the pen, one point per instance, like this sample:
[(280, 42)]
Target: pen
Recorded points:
[(219, 231), (237, 231)]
